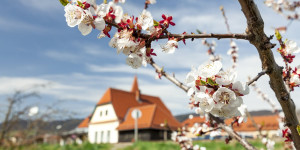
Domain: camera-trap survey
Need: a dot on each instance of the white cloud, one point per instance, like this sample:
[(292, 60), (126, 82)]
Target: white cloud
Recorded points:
[(119, 68), (48, 87)]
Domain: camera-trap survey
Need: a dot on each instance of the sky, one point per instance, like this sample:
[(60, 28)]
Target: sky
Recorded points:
[(39, 48)]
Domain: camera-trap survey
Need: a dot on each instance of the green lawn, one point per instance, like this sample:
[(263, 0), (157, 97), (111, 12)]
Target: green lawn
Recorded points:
[(84, 146), (210, 145)]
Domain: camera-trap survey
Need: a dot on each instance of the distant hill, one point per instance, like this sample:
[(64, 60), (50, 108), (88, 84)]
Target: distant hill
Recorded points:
[(49, 126), (183, 117)]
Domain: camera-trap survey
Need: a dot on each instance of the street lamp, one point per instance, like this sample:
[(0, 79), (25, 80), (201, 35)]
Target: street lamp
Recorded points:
[(136, 114)]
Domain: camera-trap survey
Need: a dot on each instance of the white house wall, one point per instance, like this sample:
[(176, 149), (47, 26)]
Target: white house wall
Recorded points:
[(102, 127)]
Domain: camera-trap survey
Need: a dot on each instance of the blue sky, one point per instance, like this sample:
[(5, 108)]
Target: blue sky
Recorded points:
[(37, 47)]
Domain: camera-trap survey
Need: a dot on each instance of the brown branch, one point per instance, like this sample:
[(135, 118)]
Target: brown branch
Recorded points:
[(257, 77), (189, 36), (169, 77), (211, 35), (232, 133), (220, 122), (258, 38)]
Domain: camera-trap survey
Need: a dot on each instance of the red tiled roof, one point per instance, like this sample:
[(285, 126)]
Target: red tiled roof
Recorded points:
[(121, 101), (124, 101), (190, 122), (152, 117), (267, 123), (84, 123)]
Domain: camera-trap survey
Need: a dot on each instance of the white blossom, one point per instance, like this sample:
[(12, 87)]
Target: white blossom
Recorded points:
[(206, 102), (214, 133), (196, 147), (243, 110), (295, 79), (190, 80), (226, 111), (134, 61), (117, 11), (145, 58), (226, 77), (170, 46), (202, 148), (174, 136), (74, 15), (270, 145), (85, 27), (102, 10), (152, 1), (291, 47), (209, 69), (224, 96), (269, 3), (119, 1), (145, 20), (241, 88)]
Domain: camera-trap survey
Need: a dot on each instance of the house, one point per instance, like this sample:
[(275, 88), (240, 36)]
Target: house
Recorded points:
[(268, 125), (111, 120)]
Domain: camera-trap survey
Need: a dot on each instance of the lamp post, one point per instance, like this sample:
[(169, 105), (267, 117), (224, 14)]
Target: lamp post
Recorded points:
[(136, 114)]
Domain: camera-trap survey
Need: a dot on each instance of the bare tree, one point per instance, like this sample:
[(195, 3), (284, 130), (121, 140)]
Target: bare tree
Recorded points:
[(12, 116)]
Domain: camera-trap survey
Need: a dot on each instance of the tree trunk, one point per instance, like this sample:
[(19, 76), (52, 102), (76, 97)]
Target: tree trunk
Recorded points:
[(258, 38)]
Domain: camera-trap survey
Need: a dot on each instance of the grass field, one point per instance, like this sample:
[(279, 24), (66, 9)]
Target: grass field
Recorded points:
[(210, 145)]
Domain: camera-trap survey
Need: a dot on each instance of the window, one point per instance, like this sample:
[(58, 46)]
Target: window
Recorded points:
[(100, 113), (106, 112), (108, 136)]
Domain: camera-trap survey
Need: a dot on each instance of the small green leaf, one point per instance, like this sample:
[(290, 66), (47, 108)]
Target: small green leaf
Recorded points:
[(278, 35), (79, 3), (64, 2), (198, 31), (155, 23), (203, 82), (211, 82), (298, 129)]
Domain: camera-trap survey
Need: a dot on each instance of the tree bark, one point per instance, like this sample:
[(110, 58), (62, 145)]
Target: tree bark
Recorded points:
[(258, 38)]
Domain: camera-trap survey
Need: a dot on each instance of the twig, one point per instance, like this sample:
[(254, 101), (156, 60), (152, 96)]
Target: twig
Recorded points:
[(169, 77), (225, 18), (257, 77), (211, 35), (190, 36)]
